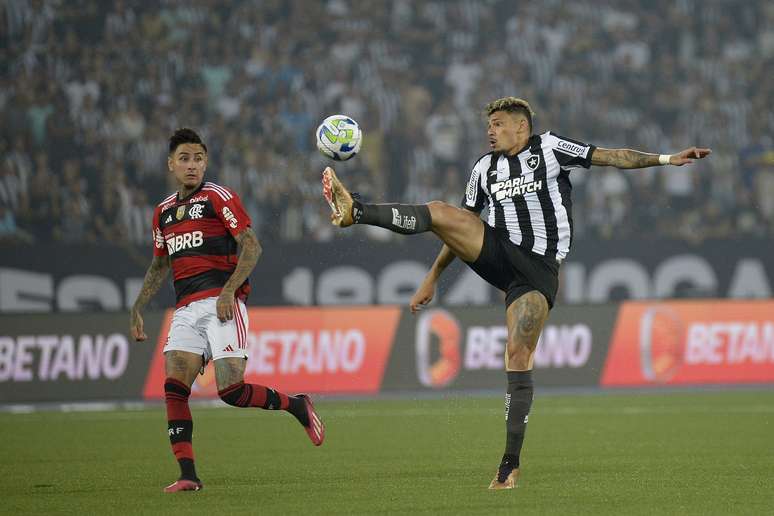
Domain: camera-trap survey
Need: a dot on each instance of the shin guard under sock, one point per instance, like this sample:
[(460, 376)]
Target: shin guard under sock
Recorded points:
[(180, 426), (406, 219), (253, 395), (518, 402)]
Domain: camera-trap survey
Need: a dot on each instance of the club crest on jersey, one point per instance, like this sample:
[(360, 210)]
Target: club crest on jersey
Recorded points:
[(196, 211), (180, 213), (533, 162)]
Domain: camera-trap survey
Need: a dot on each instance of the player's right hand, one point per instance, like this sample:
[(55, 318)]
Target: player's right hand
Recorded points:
[(422, 296), (136, 327)]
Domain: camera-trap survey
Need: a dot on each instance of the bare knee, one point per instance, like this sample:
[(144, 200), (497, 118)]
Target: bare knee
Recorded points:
[(518, 357), (182, 366), (439, 211), (229, 371), (445, 215), (526, 317)]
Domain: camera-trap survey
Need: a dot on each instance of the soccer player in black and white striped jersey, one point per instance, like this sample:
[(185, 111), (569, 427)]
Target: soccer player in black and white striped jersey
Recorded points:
[(519, 248)]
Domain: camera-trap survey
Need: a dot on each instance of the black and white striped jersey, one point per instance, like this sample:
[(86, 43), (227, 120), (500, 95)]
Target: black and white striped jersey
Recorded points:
[(529, 193)]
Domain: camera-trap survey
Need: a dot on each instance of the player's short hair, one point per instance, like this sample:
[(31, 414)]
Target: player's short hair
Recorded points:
[(184, 135), (511, 105)]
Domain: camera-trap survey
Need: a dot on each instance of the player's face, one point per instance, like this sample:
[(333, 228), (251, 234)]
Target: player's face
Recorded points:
[(506, 131), (188, 164)]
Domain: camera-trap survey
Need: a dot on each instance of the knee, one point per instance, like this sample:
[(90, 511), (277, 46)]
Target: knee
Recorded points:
[(518, 357), (439, 210), (176, 390), (233, 394), (444, 214)]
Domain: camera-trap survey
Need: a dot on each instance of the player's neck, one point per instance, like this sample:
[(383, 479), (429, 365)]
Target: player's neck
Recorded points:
[(519, 146), (184, 191)]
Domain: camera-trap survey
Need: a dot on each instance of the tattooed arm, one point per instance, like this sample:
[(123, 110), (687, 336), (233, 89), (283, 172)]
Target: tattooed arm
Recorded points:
[(157, 271), (250, 251), (628, 158)]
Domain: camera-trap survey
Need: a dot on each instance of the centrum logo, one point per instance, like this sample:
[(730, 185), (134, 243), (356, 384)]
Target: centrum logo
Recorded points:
[(661, 344), (438, 348)]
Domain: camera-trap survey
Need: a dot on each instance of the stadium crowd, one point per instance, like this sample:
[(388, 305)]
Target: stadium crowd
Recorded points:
[(91, 90)]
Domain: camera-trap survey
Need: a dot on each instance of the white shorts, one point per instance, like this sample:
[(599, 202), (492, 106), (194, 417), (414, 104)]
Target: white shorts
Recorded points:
[(196, 328)]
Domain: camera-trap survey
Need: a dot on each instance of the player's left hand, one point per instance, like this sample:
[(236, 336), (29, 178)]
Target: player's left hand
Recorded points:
[(225, 306), (688, 155)]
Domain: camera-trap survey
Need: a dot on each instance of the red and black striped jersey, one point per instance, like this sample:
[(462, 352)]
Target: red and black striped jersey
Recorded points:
[(197, 233)]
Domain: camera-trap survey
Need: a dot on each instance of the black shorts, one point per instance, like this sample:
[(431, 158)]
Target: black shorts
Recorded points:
[(515, 270)]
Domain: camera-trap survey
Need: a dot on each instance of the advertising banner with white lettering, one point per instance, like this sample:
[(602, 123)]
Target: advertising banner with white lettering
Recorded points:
[(691, 343), (332, 350), (57, 357), (353, 270), (464, 349)]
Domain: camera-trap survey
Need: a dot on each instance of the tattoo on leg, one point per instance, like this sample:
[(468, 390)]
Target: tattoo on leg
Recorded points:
[(176, 362), (181, 366), (532, 308), (229, 371)]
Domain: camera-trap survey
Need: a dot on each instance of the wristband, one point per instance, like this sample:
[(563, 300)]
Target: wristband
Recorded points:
[(663, 159)]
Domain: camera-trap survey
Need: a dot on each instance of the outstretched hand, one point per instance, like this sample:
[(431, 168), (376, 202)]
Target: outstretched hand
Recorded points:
[(422, 296), (688, 155)]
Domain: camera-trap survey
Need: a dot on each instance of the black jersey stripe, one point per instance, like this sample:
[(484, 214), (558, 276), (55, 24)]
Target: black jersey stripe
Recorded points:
[(209, 279), (565, 191), (223, 245), (522, 209), (546, 205)]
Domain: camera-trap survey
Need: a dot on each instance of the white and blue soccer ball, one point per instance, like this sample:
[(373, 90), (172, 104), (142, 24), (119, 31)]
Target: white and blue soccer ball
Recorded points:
[(339, 137)]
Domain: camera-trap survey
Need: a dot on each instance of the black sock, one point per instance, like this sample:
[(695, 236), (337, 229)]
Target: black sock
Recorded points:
[(518, 401), (407, 219), (187, 470), (297, 407)]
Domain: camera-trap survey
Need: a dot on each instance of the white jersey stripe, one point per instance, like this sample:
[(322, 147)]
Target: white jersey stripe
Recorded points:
[(222, 191), (562, 217), (218, 187), (168, 199), (538, 223), (534, 186), (218, 193)]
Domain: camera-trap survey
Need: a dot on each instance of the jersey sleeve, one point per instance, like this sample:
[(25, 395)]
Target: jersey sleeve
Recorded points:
[(231, 212), (570, 153), (159, 246), (475, 197)]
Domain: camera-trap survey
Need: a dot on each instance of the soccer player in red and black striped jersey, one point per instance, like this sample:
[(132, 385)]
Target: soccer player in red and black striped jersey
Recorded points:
[(203, 234)]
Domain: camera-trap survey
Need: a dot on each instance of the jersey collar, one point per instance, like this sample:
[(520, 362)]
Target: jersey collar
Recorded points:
[(198, 189)]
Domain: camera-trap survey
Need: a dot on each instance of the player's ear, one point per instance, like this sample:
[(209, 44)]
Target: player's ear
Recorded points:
[(169, 162)]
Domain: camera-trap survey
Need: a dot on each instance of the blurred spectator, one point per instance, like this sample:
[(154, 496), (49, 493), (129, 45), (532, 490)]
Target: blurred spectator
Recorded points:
[(95, 83)]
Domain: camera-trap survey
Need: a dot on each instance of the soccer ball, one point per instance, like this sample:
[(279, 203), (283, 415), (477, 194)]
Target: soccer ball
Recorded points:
[(339, 137)]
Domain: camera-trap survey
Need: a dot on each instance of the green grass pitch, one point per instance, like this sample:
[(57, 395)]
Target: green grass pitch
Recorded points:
[(620, 453)]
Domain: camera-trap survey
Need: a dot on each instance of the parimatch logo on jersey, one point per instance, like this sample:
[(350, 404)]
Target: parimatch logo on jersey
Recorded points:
[(515, 186)]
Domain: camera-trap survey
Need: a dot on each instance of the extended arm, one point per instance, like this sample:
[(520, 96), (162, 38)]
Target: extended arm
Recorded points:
[(426, 290), (443, 260), (249, 252), (154, 277), (628, 158)]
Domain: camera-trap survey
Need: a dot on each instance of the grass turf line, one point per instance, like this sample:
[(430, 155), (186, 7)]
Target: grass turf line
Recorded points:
[(686, 453)]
